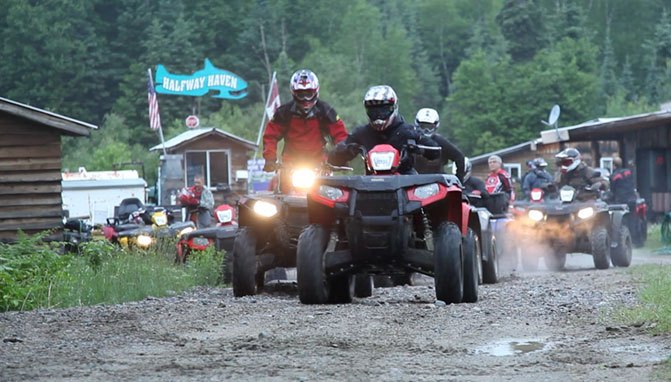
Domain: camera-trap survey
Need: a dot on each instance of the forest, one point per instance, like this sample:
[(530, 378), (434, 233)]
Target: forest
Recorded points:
[(492, 68)]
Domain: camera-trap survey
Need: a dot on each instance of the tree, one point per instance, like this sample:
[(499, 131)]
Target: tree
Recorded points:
[(522, 26)]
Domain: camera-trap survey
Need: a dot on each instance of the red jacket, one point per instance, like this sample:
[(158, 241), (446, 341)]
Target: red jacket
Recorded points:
[(500, 181), (304, 138)]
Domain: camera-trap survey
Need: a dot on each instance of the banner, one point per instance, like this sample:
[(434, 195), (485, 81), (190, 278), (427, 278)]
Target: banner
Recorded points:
[(229, 85)]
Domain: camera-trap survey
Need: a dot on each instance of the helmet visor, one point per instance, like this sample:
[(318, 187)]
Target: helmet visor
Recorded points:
[(305, 95), (566, 162), (426, 128), (379, 112)]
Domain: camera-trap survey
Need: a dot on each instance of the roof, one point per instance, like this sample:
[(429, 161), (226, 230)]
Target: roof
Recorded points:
[(606, 128), (100, 183), (196, 133), (69, 126), (504, 151)]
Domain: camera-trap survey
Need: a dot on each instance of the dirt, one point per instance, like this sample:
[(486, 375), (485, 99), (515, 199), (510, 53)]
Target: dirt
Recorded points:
[(530, 326)]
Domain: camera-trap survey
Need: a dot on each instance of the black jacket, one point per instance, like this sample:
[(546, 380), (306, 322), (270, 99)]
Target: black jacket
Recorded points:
[(622, 185), (449, 152), (396, 135)]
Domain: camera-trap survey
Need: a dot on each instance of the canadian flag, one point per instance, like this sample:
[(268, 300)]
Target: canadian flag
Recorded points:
[(273, 98)]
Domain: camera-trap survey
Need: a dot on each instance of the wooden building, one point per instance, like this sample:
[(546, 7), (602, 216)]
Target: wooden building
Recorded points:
[(643, 142), (219, 156), (30, 167)]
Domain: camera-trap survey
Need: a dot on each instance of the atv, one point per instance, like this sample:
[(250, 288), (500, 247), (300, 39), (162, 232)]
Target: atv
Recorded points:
[(268, 228), (573, 220), (496, 243), (386, 224), (222, 236)]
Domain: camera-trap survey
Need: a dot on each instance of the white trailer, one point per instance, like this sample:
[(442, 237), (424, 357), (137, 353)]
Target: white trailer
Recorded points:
[(96, 193)]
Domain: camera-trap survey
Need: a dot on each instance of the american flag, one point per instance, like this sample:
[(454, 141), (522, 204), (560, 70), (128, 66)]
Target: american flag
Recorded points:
[(154, 116)]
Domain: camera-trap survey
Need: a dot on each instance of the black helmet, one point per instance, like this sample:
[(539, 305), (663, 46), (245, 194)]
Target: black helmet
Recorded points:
[(540, 162)]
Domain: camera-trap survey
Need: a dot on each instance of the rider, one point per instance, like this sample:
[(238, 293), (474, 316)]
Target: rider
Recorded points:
[(498, 179), (427, 122), (622, 183), (305, 123), (537, 177), (472, 184), (386, 126), (575, 173), (203, 209)]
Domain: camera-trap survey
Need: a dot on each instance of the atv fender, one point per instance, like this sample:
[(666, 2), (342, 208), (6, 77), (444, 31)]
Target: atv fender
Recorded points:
[(617, 218)]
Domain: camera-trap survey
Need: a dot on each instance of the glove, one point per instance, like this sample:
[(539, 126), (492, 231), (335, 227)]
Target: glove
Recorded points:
[(353, 148), (269, 166)]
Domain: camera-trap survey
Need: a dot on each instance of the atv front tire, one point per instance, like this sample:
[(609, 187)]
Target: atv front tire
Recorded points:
[(448, 263), (244, 264), (621, 255), (600, 241), (313, 286), (472, 266)]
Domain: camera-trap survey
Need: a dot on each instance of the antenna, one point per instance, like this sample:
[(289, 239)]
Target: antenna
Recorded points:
[(552, 119)]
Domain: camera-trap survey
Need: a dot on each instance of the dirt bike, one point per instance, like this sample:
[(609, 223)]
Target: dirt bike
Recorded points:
[(389, 224), (573, 220), (222, 236), (269, 226)]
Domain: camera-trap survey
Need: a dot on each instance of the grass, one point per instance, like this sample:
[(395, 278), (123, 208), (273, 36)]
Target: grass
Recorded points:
[(34, 275), (654, 307)]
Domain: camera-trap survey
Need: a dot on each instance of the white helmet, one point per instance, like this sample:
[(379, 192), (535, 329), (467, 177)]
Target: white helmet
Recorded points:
[(427, 121), (304, 86), (381, 106)]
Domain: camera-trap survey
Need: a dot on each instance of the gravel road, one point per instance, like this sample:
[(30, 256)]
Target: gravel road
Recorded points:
[(529, 327)]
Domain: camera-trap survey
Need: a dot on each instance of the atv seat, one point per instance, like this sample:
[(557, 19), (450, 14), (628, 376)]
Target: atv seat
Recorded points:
[(126, 207)]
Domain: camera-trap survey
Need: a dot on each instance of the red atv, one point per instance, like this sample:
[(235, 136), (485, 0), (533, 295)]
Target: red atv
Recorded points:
[(222, 235), (386, 224)]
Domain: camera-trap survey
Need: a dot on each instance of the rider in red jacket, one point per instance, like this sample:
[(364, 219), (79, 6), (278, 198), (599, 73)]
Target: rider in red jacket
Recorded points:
[(305, 123)]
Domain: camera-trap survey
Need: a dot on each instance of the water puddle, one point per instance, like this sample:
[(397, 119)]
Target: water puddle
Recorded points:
[(511, 347)]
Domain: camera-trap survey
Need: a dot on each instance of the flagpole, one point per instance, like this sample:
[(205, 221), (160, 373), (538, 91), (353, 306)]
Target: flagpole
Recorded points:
[(160, 127), (263, 119)]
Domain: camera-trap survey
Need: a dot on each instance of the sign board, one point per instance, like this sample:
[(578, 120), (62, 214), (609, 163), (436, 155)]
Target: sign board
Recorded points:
[(229, 85), (192, 122)]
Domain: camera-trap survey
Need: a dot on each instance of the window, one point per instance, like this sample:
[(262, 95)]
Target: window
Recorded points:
[(214, 165), (607, 163), (514, 169)]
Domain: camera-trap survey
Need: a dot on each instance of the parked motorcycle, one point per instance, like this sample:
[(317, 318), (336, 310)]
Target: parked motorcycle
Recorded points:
[(388, 224)]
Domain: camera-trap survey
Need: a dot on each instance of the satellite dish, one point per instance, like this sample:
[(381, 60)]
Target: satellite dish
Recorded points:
[(554, 115)]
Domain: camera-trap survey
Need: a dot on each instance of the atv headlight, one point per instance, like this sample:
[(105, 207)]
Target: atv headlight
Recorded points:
[(382, 161), (265, 209), (536, 194), (160, 219), (144, 241), (586, 213), (536, 215), (186, 231), (566, 194), (330, 193), (225, 216), (426, 191), (303, 178)]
